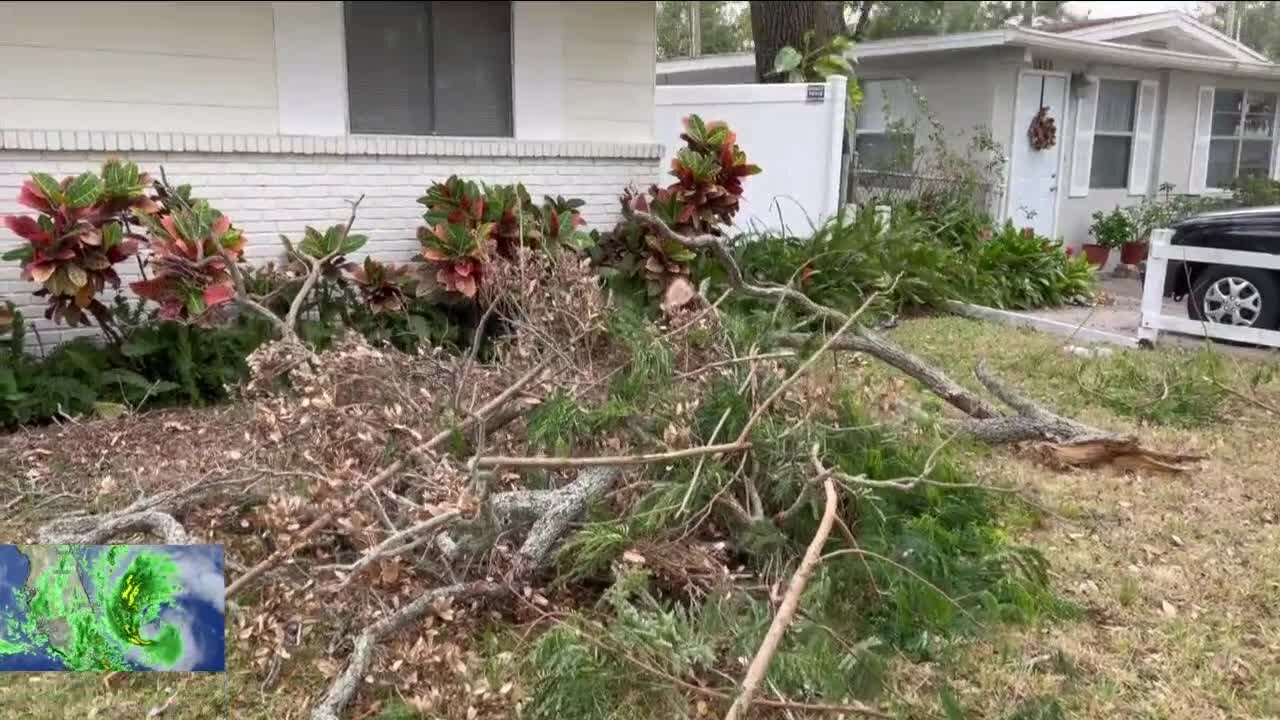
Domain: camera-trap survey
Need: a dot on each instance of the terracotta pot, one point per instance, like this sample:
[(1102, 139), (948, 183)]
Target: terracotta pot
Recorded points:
[(1097, 254), (1133, 253)]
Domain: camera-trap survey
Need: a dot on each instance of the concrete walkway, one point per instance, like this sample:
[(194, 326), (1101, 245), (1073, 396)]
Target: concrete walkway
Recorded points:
[(1122, 317)]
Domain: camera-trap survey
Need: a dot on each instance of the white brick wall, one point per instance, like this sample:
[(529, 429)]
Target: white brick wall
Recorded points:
[(271, 194)]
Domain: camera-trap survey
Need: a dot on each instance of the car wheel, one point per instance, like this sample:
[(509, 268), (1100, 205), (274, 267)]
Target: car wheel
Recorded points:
[(1245, 297)]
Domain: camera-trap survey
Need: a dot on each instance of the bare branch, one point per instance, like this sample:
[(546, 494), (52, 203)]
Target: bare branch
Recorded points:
[(493, 461), (392, 545), (316, 268), (786, 610), (345, 685)]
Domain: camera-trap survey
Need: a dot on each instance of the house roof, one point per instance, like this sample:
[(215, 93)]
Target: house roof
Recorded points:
[(1094, 41), (1067, 26), (1173, 20)]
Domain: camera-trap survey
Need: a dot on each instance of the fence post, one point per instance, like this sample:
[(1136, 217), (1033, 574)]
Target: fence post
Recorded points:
[(884, 217), (834, 102), (1153, 285)]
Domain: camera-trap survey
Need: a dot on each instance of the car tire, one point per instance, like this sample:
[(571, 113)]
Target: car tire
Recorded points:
[(1240, 296)]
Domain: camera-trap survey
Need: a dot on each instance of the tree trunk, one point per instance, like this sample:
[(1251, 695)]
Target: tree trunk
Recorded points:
[(775, 25)]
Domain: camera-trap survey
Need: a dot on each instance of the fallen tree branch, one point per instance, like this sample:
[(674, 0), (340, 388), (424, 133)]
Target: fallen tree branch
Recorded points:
[(344, 687), (392, 546), (558, 508), (786, 610), (154, 513), (494, 461), (1070, 443), (95, 530), (862, 339), (713, 693), (416, 453)]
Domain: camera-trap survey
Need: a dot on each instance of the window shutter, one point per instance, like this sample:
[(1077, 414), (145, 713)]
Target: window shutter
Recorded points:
[(387, 70), (1275, 161), (1200, 150), (471, 66), (1144, 131), (1082, 150)]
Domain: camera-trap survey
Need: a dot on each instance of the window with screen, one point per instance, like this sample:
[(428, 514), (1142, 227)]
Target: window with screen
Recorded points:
[(884, 139), (1240, 138), (429, 68), (1113, 134)]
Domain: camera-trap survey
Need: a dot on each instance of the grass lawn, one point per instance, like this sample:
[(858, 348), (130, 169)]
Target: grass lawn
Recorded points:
[(1177, 577)]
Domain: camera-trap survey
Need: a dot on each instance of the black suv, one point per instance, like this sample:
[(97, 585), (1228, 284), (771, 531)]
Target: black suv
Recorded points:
[(1244, 296)]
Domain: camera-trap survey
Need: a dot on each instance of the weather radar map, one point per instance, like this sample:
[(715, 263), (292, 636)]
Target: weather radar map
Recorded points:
[(104, 608)]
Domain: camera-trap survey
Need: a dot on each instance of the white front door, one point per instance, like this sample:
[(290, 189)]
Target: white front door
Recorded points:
[(1033, 185)]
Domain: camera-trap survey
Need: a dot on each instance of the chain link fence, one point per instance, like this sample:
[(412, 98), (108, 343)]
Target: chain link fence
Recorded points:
[(878, 186)]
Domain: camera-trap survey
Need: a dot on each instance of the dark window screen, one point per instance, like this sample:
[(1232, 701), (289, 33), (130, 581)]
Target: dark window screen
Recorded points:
[(439, 68)]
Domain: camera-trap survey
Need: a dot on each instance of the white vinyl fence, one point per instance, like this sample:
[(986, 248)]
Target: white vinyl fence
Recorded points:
[(1152, 321), (793, 131)]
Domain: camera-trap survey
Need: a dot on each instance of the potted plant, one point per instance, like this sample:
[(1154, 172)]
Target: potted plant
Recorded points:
[(1142, 219), (1109, 230)]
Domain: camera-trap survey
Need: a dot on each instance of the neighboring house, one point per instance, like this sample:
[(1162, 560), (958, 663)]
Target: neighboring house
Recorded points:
[(280, 112), (1137, 101)]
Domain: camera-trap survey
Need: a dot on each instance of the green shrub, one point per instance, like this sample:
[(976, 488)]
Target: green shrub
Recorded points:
[(1255, 191), (1113, 229), (844, 261), (155, 364), (933, 260), (1021, 270)]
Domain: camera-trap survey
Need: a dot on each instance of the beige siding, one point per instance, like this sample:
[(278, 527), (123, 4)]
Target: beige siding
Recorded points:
[(609, 62), (189, 66)]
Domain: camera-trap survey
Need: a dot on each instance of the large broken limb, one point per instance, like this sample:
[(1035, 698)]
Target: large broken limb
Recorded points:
[(97, 529), (546, 513), (154, 513), (1067, 441), (551, 511)]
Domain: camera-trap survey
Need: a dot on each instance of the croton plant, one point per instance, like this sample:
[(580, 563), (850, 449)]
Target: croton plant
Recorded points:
[(709, 172), (80, 231), (192, 246), (468, 222), (383, 286)]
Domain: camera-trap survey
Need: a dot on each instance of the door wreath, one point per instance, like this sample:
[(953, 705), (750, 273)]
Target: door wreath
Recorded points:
[(1043, 132)]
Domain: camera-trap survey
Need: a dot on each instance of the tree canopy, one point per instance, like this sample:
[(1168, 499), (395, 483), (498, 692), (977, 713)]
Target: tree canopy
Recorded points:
[(724, 27)]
